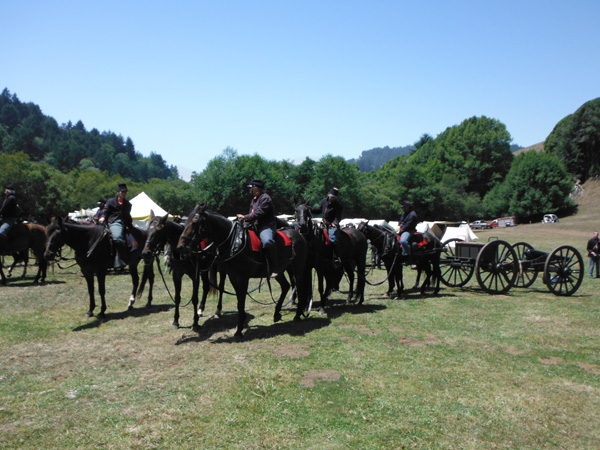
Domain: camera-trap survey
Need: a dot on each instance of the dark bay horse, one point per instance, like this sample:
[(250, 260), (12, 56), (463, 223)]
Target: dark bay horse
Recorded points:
[(351, 250), (388, 249), (22, 238), (426, 249), (95, 254), (164, 232), (241, 262)]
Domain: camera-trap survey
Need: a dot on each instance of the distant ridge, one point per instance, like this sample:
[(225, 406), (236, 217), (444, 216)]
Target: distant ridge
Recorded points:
[(537, 147)]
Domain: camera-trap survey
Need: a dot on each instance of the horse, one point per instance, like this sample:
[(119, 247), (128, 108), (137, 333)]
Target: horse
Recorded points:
[(233, 249), (426, 249), (95, 254), (19, 257), (23, 237), (351, 250), (164, 232), (388, 249)]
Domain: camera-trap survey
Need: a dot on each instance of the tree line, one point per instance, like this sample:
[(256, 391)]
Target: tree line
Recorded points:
[(466, 172)]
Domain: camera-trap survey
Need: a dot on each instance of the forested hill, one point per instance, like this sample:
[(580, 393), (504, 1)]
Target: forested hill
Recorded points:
[(24, 128), (371, 160)]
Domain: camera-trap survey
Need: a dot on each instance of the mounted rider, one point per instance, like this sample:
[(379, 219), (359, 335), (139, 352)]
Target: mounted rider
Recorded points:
[(118, 214), (99, 215), (408, 226), (9, 213), (262, 214), (331, 208)]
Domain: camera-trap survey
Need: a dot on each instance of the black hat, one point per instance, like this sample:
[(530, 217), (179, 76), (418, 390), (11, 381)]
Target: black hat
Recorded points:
[(101, 201), (122, 187), (406, 203), (334, 192), (9, 187), (258, 183)]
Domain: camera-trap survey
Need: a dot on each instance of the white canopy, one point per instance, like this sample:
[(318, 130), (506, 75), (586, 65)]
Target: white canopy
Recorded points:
[(141, 205), (462, 231)]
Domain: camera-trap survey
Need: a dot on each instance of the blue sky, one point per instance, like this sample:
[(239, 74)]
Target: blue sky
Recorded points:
[(290, 80)]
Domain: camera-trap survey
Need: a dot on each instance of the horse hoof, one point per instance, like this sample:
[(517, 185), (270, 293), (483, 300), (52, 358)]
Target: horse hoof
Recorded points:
[(130, 308), (89, 314), (297, 318), (238, 336), (219, 313), (148, 305), (175, 326), (276, 317)]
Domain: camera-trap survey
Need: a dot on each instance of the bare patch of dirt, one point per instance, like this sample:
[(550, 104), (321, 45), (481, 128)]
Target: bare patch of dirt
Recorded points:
[(592, 368), (429, 339), (553, 361), (319, 375), (513, 350)]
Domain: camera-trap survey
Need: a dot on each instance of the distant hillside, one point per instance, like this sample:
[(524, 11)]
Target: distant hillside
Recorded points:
[(537, 147), (371, 160)]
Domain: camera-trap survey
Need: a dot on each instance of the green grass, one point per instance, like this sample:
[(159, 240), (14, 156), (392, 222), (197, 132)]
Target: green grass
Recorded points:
[(463, 370)]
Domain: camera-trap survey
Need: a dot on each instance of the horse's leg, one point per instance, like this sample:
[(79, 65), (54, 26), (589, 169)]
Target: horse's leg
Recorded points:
[(360, 282), (222, 279), (285, 287), (89, 279), (41, 273), (149, 273), (195, 289), (322, 293), (3, 282), (135, 279), (101, 275), (419, 271), (241, 288), (177, 276), (205, 288), (349, 269)]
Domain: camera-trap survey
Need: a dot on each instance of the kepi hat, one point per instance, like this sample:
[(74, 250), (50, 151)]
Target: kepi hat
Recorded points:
[(334, 192), (122, 187), (258, 183)]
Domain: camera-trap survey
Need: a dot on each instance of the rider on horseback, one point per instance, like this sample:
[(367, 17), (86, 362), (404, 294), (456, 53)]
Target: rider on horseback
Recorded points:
[(9, 213), (263, 215), (331, 208), (118, 214), (408, 226)]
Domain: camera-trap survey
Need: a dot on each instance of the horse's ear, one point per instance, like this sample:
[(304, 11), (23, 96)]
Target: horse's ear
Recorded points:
[(152, 216), (166, 216)]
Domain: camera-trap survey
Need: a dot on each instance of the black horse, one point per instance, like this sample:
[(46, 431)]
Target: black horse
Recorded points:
[(22, 238), (232, 248), (95, 254), (389, 250), (426, 249), (351, 251), (163, 232)]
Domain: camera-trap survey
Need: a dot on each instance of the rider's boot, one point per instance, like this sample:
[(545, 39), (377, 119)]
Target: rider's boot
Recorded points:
[(121, 249)]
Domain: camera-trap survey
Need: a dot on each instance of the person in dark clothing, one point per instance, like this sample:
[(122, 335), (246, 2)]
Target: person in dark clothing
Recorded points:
[(118, 214), (8, 214), (98, 218), (593, 249), (408, 226), (262, 214), (331, 208)]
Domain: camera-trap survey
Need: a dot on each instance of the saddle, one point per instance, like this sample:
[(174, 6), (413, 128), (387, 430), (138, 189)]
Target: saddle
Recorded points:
[(242, 234), (16, 237), (417, 240)]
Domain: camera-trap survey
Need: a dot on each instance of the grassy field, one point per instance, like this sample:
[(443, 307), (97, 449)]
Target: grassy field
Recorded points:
[(462, 370)]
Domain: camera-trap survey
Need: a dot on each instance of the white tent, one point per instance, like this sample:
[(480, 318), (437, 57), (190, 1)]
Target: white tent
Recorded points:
[(141, 205), (462, 231)]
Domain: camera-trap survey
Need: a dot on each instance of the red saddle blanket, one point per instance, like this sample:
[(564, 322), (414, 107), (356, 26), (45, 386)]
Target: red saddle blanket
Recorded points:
[(255, 240), (326, 233), (417, 238)]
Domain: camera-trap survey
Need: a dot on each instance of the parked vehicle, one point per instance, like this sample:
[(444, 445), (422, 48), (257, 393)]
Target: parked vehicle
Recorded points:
[(550, 218), (504, 222), (480, 224)]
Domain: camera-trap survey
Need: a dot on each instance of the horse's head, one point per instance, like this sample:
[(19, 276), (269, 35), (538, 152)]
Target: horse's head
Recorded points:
[(304, 217), (194, 230), (56, 238), (156, 236)]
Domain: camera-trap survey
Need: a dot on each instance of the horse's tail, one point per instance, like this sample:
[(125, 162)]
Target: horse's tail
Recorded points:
[(212, 281), (148, 269)]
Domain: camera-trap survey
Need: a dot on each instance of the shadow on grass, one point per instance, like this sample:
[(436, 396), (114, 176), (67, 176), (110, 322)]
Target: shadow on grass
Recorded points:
[(136, 312), (27, 282)]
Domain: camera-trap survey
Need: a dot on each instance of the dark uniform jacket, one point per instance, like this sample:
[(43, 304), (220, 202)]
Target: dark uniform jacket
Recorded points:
[(593, 246), (332, 212), (408, 222), (261, 212), (114, 211), (9, 208)]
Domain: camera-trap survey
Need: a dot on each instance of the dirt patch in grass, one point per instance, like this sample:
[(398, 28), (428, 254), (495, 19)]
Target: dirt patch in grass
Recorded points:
[(552, 361), (319, 375), (592, 368), (287, 350), (429, 339)]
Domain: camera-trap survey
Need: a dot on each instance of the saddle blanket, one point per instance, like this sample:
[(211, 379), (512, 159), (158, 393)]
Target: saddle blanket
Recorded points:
[(416, 238), (255, 240), (326, 233)]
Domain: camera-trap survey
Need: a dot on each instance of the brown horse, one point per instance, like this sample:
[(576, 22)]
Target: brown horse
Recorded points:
[(241, 262), (94, 253), (351, 250), (22, 238), (164, 232)]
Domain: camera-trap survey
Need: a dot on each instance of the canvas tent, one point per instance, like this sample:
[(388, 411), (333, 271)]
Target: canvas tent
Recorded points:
[(141, 205), (463, 231)]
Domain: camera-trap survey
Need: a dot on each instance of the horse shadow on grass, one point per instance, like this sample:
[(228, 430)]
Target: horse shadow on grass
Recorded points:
[(136, 312)]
